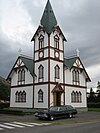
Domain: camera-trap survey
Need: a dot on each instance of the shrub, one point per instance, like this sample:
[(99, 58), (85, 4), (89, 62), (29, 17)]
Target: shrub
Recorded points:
[(4, 105), (93, 105), (14, 112)]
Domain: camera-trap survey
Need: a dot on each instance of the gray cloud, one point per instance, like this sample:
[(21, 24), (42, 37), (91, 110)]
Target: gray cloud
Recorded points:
[(79, 21)]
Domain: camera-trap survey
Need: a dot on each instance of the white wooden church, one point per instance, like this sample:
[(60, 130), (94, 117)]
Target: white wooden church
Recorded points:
[(48, 78)]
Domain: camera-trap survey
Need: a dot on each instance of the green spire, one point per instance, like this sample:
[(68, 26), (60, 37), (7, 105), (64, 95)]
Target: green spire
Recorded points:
[(48, 20)]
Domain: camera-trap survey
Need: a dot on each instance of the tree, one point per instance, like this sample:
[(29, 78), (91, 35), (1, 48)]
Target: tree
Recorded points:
[(92, 97), (98, 90), (4, 89), (98, 87)]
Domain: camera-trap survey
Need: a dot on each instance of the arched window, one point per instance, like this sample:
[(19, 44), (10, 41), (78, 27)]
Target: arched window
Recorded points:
[(73, 97), (80, 97), (40, 96), (56, 41), (41, 72), (19, 96), (23, 75), (16, 96), (75, 75), (23, 96), (57, 72), (76, 97), (41, 41), (19, 76)]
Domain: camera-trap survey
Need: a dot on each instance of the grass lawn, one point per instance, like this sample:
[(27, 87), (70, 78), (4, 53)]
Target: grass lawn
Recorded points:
[(94, 109)]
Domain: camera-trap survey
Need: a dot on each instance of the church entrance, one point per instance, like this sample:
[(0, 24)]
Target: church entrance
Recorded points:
[(58, 98), (57, 93)]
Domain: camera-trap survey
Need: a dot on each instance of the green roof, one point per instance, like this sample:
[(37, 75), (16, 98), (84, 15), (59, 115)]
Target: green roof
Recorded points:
[(29, 63), (48, 20), (69, 62)]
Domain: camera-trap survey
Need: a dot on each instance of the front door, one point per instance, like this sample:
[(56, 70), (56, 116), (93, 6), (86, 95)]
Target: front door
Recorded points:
[(57, 92), (58, 98)]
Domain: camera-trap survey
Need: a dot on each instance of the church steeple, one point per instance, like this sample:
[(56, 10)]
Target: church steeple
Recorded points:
[(48, 20)]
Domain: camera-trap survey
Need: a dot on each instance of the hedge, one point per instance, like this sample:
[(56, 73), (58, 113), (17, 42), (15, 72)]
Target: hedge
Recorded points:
[(13, 112), (4, 105), (93, 105)]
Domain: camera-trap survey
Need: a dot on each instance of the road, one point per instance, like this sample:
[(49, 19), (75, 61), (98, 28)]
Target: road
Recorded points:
[(89, 127), (87, 122)]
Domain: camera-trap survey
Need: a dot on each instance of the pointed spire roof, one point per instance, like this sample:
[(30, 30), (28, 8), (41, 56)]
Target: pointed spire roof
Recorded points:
[(48, 20)]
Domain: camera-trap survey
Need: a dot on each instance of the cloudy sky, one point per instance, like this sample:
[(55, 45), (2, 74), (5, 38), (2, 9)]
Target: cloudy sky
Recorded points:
[(78, 19)]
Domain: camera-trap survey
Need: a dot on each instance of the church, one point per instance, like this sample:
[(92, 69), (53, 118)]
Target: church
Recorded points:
[(48, 78)]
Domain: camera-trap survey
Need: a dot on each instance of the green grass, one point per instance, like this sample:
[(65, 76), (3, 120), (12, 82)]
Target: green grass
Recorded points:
[(94, 109)]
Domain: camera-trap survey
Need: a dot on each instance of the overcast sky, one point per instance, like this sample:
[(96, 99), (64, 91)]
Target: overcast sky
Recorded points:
[(78, 19)]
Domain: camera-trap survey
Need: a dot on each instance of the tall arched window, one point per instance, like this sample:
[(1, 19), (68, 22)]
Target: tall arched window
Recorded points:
[(23, 96), (57, 72), (40, 96), (56, 41), (72, 96), (23, 75), (19, 76), (75, 75), (19, 96), (16, 96), (41, 72), (41, 41), (80, 97), (76, 97)]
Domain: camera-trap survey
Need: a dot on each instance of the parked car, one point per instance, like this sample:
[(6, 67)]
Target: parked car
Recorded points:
[(55, 112)]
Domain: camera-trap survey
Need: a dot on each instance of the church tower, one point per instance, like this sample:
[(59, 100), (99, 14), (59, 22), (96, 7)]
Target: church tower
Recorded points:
[(48, 61)]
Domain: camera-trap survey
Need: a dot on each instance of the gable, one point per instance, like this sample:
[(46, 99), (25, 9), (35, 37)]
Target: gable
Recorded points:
[(23, 62), (75, 62), (78, 64)]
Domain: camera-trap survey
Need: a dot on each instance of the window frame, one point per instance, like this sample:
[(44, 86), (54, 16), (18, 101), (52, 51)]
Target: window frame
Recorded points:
[(41, 72), (41, 41), (75, 75), (56, 41), (57, 72), (76, 97), (21, 76), (40, 96)]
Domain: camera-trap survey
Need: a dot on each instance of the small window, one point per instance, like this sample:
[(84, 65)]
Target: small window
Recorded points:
[(19, 96), (41, 72), (19, 76), (57, 72), (56, 41), (41, 41), (23, 96), (80, 97), (23, 75), (16, 96), (40, 96)]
